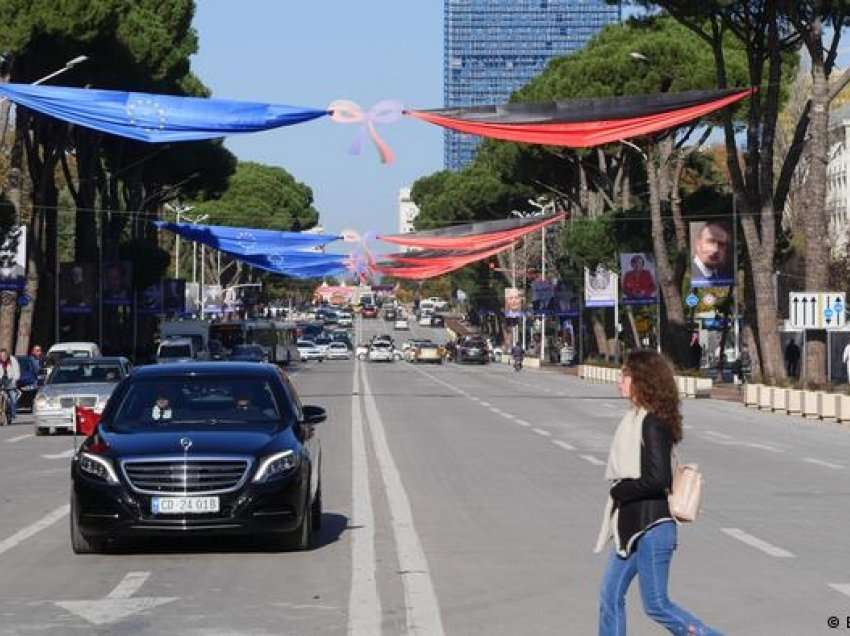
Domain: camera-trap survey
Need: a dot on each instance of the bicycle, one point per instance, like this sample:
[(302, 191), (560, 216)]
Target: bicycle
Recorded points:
[(5, 408)]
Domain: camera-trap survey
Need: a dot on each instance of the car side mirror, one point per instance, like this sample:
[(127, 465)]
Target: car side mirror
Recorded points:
[(314, 415)]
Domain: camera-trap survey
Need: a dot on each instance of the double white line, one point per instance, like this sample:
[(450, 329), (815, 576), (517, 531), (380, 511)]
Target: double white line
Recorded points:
[(422, 608)]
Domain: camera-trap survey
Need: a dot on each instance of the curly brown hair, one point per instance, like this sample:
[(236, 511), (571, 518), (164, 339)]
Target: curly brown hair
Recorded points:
[(654, 388)]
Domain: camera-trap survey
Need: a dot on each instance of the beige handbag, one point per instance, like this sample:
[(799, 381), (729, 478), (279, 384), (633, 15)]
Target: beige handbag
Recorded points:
[(685, 498)]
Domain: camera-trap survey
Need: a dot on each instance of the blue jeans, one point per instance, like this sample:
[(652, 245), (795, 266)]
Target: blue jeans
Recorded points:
[(650, 561)]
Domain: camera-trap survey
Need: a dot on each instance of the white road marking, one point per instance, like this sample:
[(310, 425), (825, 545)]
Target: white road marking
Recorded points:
[(820, 462), (118, 604), (720, 435), (487, 404), (542, 432), (423, 609), (364, 603), (729, 442), (523, 423), (18, 438), (563, 445), (593, 460), (843, 588), (608, 405), (62, 455), (757, 543), (25, 533)]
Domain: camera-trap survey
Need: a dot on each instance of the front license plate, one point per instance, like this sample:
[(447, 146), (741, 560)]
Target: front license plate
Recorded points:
[(184, 505)]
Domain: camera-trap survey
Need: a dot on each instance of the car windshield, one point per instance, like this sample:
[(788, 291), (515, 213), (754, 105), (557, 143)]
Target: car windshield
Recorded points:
[(67, 373), (473, 342), (175, 351), (248, 350), (305, 344), (323, 340), (338, 345), (381, 345), (199, 403)]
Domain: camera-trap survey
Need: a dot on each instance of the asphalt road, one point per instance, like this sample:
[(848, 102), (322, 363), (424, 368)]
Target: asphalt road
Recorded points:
[(458, 500)]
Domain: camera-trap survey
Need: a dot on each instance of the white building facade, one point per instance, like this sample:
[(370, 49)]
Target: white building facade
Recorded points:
[(837, 175), (407, 211)]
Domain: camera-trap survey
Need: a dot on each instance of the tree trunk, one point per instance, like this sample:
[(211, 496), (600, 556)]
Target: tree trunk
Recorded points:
[(9, 298), (599, 334)]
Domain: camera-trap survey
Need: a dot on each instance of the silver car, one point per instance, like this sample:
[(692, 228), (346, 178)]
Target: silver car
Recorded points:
[(76, 382)]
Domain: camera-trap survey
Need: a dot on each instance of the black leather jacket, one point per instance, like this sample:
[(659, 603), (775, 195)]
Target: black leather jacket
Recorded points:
[(643, 502)]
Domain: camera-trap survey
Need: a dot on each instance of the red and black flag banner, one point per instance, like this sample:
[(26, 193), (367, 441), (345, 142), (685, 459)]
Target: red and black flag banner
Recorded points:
[(582, 123)]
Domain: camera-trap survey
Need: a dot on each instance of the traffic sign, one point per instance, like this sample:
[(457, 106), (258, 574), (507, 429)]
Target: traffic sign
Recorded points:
[(817, 310), (692, 300)]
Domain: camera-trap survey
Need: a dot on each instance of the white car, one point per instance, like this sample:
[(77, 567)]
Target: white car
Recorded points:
[(345, 320), (425, 320), (381, 352), (401, 324), (362, 351), (309, 351), (338, 351)]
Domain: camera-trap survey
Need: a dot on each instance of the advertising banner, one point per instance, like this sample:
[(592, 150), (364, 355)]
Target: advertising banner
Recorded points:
[(174, 296), (118, 283), (513, 302), (76, 288), (711, 254), (150, 299), (213, 299), (193, 297), (600, 287), (13, 259), (638, 279)]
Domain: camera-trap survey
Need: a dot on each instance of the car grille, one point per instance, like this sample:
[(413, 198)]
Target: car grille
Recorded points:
[(78, 400), (192, 476)]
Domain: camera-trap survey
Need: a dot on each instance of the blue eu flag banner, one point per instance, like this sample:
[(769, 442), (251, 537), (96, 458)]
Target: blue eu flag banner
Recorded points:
[(155, 118)]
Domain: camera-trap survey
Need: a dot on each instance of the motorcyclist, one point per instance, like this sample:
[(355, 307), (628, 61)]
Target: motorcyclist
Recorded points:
[(517, 354)]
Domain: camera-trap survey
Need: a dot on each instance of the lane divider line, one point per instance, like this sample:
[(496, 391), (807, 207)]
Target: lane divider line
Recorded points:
[(820, 462), (19, 438), (563, 445), (758, 544), (364, 603), (423, 609), (843, 588), (593, 460), (523, 423), (42, 524), (542, 432)]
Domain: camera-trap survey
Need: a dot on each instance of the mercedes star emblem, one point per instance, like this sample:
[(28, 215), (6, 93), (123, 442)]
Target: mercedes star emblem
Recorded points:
[(186, 443)]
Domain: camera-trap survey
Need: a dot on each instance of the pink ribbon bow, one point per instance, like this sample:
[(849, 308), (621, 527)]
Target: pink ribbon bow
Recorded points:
[(387, 111)]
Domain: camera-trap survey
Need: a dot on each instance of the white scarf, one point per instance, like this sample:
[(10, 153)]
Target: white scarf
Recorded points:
[(623, 463)]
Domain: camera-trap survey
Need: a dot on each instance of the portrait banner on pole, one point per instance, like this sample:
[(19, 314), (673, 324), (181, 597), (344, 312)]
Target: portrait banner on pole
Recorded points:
[(711, 250), (600, 287), (513, 302), (638, 279)]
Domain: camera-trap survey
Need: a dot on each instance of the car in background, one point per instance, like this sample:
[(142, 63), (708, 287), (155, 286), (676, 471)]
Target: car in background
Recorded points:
[(389, 314), (308, 350), (323, 342), (76, 382), (438, 321), (62, 350), (345, 320), (175, 349), (343, 337), (248, 353), (425, 319), (221, 448), (28, 382), (427, 351), (472, 349), (338, 351), (401, 324), (369, 311), (362, 351), (381, 351)]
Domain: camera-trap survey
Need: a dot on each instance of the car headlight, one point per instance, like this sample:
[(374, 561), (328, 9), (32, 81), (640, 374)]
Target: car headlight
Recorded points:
[(276, 465), (99, 467), (44, 402)]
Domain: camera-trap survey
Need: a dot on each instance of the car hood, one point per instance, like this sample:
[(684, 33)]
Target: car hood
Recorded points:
[(224, 442), (103, 389)]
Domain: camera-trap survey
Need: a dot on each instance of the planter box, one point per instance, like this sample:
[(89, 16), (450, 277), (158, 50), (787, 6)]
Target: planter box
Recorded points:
[(843, 408), (704, 387), (751, 394), (690, 386), (795, 401), (531, 363), (766, 398), (780, 399), (829, 406), (811, 404)]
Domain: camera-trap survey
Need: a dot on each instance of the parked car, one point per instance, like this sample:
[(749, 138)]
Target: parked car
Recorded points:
[(338, 351), (249, 353), (308, 350), (28, 383), (381, 352), (209, 448), (76, 382), (472, 349)]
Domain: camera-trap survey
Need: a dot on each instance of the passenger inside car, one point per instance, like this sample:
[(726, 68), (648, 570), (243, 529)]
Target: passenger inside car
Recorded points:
[(162, 408)]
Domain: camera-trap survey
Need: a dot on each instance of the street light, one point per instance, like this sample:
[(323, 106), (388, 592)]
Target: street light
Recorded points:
[(178, 209)]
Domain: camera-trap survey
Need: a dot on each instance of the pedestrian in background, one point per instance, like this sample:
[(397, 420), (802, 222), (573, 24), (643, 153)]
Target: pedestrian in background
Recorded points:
[(637, 516), (10, 373), (38, 357), (792, 358)]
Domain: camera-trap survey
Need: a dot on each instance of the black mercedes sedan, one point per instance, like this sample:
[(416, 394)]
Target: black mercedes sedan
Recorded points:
[(200, 448)]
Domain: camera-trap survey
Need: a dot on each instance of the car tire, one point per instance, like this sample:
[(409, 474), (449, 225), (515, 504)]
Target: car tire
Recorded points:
[(301, 539), (80, 543), (316, 509), (40, 431)]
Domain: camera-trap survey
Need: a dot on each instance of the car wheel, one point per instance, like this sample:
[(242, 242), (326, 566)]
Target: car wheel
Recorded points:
[(40, 430), (80, 543), (316, 509)]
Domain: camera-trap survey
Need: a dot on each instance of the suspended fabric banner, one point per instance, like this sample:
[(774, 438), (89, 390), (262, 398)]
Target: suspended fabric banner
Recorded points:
[(246, 241), (411, 268), (300, 264), (473, 236), (583, 123), (155, 118)]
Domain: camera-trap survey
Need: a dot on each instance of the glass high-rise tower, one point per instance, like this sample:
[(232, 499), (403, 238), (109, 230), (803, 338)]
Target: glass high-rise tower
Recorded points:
[(494, 47)]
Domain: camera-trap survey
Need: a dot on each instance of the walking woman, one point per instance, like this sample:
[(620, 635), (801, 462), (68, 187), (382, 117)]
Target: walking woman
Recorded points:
[(637, 516)]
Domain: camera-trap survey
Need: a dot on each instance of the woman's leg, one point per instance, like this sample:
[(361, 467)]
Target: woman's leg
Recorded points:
[(654, 554), (619, 574)]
